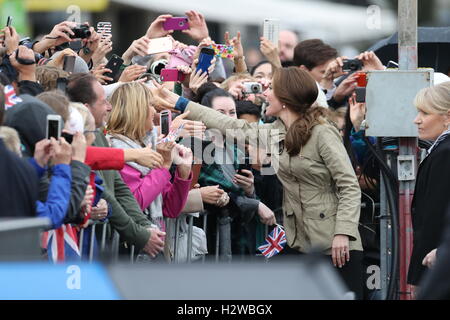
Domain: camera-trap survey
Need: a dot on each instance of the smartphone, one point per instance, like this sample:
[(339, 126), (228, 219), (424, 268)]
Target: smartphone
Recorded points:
[(159, 45), (61, 84), (54, 126), (114, 64), (68, 137), (165, 119), (69, 63), (205, 58), (360, 94), (104, 28), (171, 75), (223, 51), (244, 166), (9, 21), (271, 30), (176, 23)]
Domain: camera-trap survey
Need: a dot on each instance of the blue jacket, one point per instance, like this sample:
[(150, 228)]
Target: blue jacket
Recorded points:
[(58, 198)]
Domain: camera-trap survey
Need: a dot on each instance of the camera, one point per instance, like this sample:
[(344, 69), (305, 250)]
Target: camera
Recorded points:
[(81, 32), (25, 41), (157, 66), (352, 65), (252, 87)]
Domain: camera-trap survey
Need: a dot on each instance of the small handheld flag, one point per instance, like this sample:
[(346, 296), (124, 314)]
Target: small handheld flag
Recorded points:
[(274, 243)]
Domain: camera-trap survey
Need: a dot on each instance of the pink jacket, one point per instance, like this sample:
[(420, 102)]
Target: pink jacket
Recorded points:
[(146, 189)]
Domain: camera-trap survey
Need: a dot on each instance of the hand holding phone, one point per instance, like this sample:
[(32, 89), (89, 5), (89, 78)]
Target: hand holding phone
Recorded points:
[(114, 64)]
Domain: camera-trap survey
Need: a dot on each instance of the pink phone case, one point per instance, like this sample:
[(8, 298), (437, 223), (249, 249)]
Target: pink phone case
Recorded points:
[(171, 75), (176, 23)]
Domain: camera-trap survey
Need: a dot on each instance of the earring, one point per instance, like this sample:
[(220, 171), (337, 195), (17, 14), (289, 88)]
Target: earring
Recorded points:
[(284, 107)]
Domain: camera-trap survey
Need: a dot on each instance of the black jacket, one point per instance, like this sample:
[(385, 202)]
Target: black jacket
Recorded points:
[(18, 185), (429, 206), (436, 283)]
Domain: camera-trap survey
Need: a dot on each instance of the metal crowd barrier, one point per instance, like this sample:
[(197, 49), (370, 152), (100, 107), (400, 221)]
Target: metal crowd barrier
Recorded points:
[(115, 241), (222, 241)]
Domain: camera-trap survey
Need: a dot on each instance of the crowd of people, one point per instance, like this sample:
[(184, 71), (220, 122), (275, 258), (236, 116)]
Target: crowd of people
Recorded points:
[(114, 163)]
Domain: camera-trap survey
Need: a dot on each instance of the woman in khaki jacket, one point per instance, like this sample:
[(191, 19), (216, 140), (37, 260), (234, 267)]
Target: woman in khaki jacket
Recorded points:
[(321, 193)]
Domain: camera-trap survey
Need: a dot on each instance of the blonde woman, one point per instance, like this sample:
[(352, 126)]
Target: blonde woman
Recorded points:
[(130, 125), (433, 179)]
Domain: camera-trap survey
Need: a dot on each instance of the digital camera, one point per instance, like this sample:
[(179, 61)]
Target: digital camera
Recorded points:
[(81, 32), (352, 65), (252, 87)]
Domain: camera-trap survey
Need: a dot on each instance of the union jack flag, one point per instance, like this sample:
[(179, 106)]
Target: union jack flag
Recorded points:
[(274, 242), (61, 244), (10, 97)]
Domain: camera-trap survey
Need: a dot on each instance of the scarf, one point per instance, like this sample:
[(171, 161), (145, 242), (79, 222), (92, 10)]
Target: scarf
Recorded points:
[(122, 142)]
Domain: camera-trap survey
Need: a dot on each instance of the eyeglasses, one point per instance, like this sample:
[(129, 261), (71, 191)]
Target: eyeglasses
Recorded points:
[(90, 131)]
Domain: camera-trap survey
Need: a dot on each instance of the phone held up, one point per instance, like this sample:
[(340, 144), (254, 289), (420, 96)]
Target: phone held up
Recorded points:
[(54, 126), (69, 63), (114, 64), (172, 75), (104, 28), (271, 30), (158, 45), (176, 23), (205, 58), (9, 21), (165, 119)]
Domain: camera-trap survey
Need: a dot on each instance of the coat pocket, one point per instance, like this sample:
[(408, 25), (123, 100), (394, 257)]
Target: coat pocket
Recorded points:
[(290, 226), (320, 222)]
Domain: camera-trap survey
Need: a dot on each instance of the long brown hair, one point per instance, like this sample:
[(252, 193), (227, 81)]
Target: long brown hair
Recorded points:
[(298, 91)]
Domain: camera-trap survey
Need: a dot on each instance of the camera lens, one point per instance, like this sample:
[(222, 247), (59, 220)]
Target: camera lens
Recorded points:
[(181, 23), (255, 88), (87, 33), (159, 67)]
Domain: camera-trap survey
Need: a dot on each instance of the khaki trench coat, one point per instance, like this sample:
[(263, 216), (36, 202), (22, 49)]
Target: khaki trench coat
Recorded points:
[(322, 197)]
